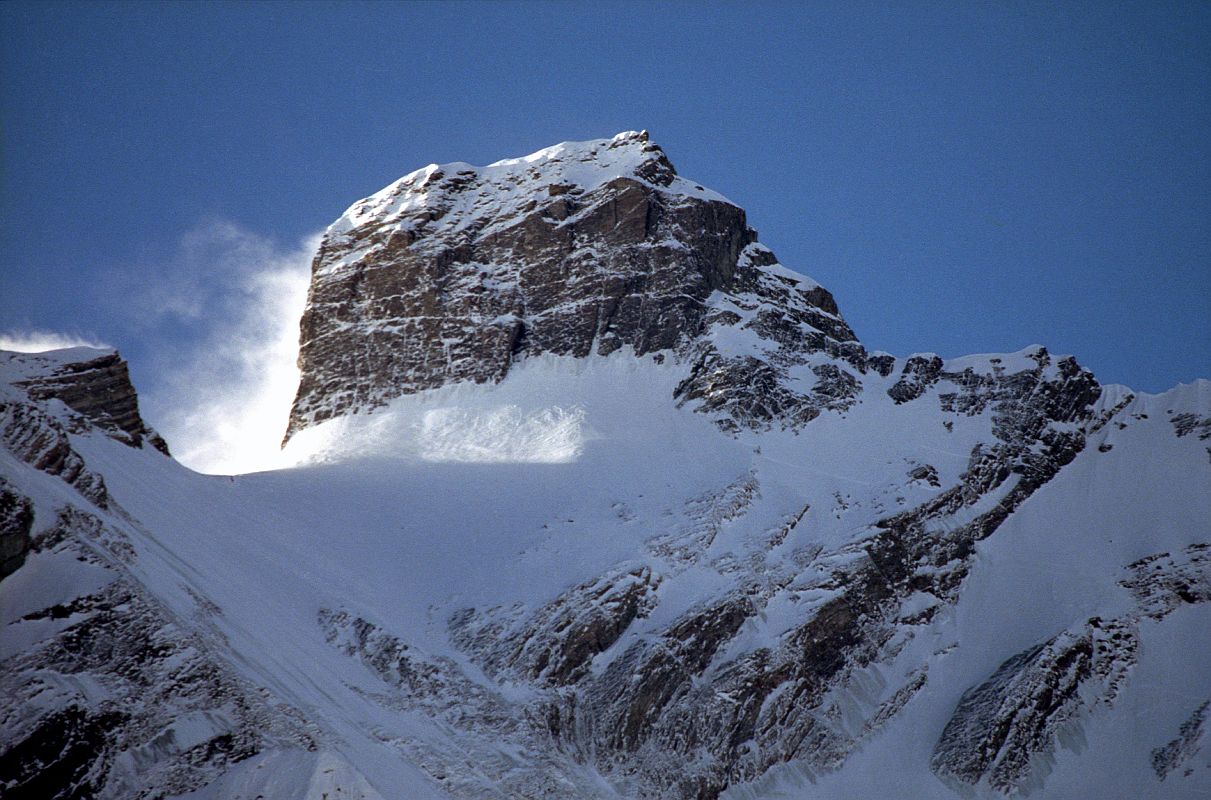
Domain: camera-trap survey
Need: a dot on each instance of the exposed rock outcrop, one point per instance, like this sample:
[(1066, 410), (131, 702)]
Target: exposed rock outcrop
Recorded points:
[(40, 440), (114, 698), (453, 272), (16, 521), (1162, 582), (776, 350), (919, 373), (93, 383), (556, 645), (1000, 726), (1175, 754), (1003, 728)]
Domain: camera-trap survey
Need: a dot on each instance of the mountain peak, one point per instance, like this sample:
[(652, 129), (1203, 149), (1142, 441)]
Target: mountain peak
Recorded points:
[(509, 186), (454, 272)]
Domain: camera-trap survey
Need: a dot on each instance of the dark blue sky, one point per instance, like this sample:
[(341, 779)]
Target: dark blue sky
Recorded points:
[(964, 177)]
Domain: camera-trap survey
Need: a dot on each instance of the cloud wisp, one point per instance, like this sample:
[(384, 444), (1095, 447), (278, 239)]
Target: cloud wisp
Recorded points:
[(41, 341), (225, 317)]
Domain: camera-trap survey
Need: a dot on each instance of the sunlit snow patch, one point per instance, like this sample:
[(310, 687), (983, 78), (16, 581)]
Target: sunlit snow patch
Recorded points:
[(547, 411), (502, 435), (465, 433)]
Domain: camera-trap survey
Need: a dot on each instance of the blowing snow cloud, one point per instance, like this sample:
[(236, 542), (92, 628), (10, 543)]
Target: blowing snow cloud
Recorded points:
[(221, 393)]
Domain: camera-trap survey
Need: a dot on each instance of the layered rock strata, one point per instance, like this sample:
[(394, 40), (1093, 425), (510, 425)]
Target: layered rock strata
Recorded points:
[(454, 272), (96, 385)]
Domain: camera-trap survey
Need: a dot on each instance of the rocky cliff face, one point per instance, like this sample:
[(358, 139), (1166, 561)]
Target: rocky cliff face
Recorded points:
[(95, 384), (454, 272)]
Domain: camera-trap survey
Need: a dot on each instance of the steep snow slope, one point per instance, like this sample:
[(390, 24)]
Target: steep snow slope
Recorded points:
[(637, 517), (274, 566)]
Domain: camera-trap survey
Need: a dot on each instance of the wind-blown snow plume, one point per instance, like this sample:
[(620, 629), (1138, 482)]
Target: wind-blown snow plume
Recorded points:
[(221, 397), (465, 431), (40, 341)]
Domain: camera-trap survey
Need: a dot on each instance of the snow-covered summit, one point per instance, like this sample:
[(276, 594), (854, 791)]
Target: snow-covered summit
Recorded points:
[(454, 273), (504, 188)]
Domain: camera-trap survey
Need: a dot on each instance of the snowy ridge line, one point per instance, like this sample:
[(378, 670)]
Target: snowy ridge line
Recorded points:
[(582, 165)]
